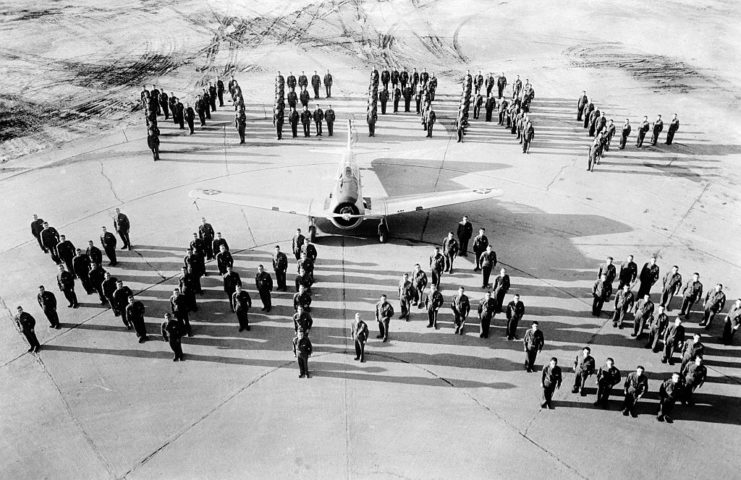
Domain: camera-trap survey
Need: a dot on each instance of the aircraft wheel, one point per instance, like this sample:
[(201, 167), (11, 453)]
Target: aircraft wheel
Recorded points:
[(382, 238)]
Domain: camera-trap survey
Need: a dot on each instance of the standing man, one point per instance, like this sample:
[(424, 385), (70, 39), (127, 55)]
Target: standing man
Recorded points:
[(206, 234), (431, 119), (264, 285), (240, 123), (241, 304), (330, 117), (218, 242), (461, 306), (419, 280), (302, 321), (628, 272), (657, 329), (635, 387), (328, 87), (180, 307), (397, 98), (479, 246), (302, 298), (642, 314), (672, 284), (66, 252), (406, 295), (66, 284), (220, 91), (488, 261), (487, 310), (624, 301), (306, 121), (580, 104), (673, 127), (601, 291), (25, 324), (715, 300), (280, 266), (642, 131), (318, 117), (172, 333), (624, 134), (465, 230), (122, 226), (694, 374), (433, 303), (37, 226), (48, 303), (372, 118), (692, 292), (658, 127), (359, 334), (609, 271), (97, 276), (691, 350), (224, 260), (50, 240), (231, 282), (135, 314), (384, 98), (648, 276), (673, 340), (302, 349), (293, 118), (533, 343), (607, 377), (316, 82), (550, 381), (108, 241), (515, 312), (190, 117), (671, 390), (384, 312), (437, 265), (450, 251), (501, 84), (81, 268), (121, 299), (109, 286), (501, 287), (584, 366), (732, 323)]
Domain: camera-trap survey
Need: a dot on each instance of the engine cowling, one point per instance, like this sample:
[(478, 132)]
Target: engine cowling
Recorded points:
[(346, 222)]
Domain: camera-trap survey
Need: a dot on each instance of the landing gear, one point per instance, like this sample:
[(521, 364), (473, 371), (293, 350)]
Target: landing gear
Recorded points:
[(312, 230), (383, 230)]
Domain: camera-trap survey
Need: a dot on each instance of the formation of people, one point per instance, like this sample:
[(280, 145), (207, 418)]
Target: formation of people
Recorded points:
[(305, 117), (597, 126)]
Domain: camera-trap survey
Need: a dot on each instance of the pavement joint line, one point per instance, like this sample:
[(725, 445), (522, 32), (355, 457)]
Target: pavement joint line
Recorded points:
[(110, 183), (249, 229), (689, 210)]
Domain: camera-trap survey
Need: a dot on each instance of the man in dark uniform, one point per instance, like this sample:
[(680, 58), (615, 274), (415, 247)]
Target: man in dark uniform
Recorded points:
[(187, 287), (642, 131), (135, 314), (406, 295), (384, 97), (264, 285), (172, 333), (165, 105), (450, 251), (291, 81), (477, 104), (173, 105), (154, 97), (624, 301), (692, 293), (419, 280), (437, 265), (304, 97), (673, 127), (488, 261), (190, 117), (490, 105), (328, 80), (588, 110), (293, 118), (201, 110), (48, 303), (206, 234), (318, 116), (359, 334), (220, 91), (642, 314), (433, 303), (96, 256), (715, 300), (97, 276), (385, 77), (65, 251), (672, 285), (671, 390), (66, 284), (584, 367), (581, 104), (501, 84), (609, 132), (330, 117), (648, 276), (37, 226), (302, 349), (625, 133), (657, 329), (302, 298), (25, 324), (608, 269), (550, 380), (431, 119), (372, 117), (479, 246), (601, 291), (465, 230), (231, 282), (408, 93), (628, 272), (180, 306), (384, 312), (461, 306), (108, 241), (397, 98), (500, 289), (673, 340), (691, 350), (607, 377), (194, 261), (224, 260), (153, 141), (241, 303), (296, 243), (460, 128), (206, 101), (635, 386), (657, 128), (218, 242), (316, 82), (487, 310), (732, 323), (489, 83), (302, 321), (212, 93), (292, 99), (240, 123), (694, 374), (280, 265), (122, 226), (515, 312), (306, 121), (394, 78), (81, 269), (403, 78), (50, 240), (121, 300), (109, 286)]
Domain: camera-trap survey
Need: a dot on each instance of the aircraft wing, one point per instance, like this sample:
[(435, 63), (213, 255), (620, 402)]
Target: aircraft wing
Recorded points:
[(285, 205), (409, 203)]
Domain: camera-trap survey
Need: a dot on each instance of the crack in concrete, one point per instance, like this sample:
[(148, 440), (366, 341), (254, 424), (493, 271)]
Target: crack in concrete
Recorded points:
[(163, 277), (110, 183), (558, 174), (689, 210), (249, 229)]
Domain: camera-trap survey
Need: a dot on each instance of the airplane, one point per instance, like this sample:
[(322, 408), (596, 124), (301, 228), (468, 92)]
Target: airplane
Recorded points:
[(345, 207)]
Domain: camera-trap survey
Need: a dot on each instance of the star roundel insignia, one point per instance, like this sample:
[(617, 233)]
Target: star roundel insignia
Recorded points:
[(211, 192), (482, 191)]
